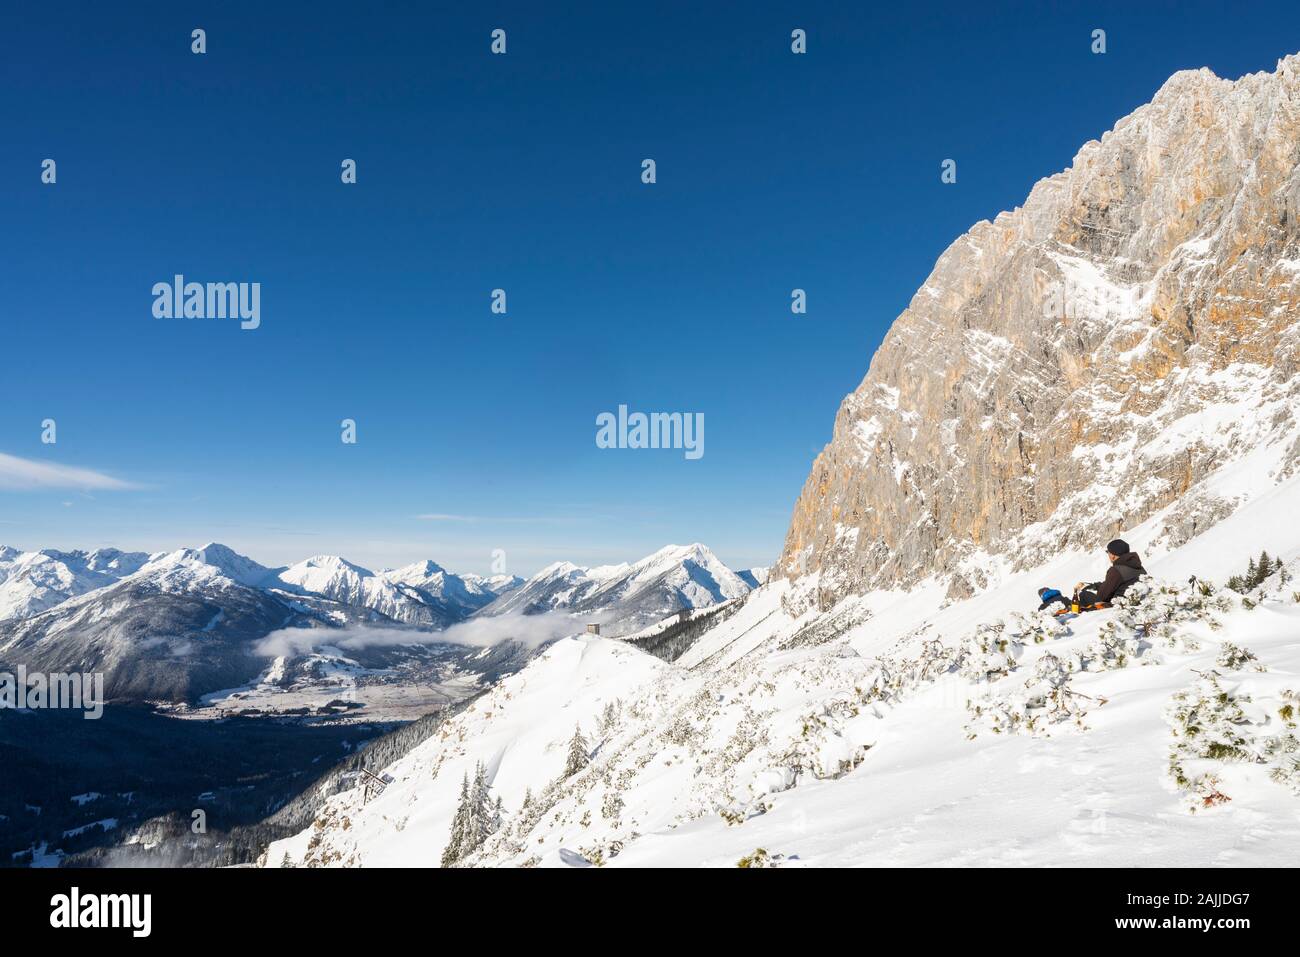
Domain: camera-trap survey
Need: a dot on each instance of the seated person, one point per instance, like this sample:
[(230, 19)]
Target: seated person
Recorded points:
[(1125, 569)]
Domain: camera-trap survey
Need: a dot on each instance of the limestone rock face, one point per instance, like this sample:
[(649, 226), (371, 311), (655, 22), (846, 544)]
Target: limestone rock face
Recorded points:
[(1080, 364)]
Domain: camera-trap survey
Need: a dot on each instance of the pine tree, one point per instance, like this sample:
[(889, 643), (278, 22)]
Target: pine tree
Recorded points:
[(607, 718), (578, 756), (1252, 575), (461, 827), (1236, 583), (498, 815), (1265, 568), (480, 803)]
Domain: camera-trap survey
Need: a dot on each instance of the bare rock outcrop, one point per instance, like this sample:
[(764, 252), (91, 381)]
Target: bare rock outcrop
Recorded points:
[(1082, 363)]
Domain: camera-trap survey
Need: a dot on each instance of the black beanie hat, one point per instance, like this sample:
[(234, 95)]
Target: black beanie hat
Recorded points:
[(1118, 547)]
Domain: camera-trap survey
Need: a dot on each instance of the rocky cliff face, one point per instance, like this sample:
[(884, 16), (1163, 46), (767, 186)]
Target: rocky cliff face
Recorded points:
[(1125, 342)]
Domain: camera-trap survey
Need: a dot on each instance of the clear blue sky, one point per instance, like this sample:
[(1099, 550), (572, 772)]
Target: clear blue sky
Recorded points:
[(520, 171)]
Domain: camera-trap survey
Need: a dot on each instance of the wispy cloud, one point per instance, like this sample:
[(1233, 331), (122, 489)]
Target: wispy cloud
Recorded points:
[(531, 630), (19, 474)]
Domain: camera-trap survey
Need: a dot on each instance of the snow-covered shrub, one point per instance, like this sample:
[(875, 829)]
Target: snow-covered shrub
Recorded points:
[(598, 855), (1034, 627), (1150, 606), (1234, 658), (1208, 724), (1283, 749), (1116, 646), (897, 675), (679, 732), (985, 666), (760, 858), (750, 733), (1042, 703), (1154, 610), (822, 749)]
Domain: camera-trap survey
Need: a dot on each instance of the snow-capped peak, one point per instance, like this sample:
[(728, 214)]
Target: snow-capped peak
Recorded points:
[(634, 594), (414, 573), (558, 570), (214, 556)]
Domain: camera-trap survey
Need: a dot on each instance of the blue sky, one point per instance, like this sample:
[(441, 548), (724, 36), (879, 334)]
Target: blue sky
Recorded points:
[(521, 172)]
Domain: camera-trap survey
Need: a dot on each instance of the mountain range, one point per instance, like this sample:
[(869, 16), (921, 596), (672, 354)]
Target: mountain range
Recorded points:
[(174, 626)]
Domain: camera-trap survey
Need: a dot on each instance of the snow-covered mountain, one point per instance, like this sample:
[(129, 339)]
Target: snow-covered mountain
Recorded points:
[(174, 626), (335, 578), (629, 596), (892, 696), (460, 595), (187, 566), (31, 582), (1082, 363), (177, 626), (422, 594), (184, 623)]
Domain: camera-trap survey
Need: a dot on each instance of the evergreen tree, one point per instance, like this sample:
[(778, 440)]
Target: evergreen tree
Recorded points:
[(461, 828), (1266, 568), (578, 756), (480, 803), (607, 718), (477, 818), (1252, 575)]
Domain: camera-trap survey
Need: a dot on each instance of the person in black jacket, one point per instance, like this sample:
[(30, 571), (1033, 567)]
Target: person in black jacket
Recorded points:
[(1125, 569)]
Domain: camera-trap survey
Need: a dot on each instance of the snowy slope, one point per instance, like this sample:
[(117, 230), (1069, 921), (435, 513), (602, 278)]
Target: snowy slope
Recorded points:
[(556, 586), (893, 729)]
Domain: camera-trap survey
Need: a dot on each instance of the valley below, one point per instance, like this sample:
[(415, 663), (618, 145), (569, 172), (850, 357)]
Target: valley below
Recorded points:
[(344, 669)]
